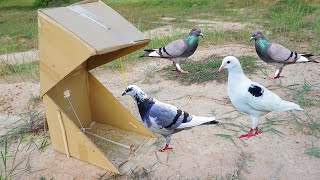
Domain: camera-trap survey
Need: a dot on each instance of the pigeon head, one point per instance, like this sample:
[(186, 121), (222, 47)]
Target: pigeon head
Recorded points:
[(135, 92), (196, 31), (229, 62), (257, 35)]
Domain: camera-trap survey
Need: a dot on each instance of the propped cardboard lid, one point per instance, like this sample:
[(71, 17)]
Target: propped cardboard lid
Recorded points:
[(88, 33), (98, 25)]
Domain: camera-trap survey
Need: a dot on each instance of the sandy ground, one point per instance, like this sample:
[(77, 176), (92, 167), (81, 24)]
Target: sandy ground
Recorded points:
[(197, 153), (20, 57)]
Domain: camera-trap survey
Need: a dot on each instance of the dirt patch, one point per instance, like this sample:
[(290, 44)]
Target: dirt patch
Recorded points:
[(20, 57), (223, 50), (169, 19), (166, 31), (220, 25), (198, 152), (15, 101)]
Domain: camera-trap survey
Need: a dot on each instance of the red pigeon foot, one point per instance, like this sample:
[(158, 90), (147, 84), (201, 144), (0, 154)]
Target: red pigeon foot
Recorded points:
[(257, 132), (247, 135), (183, 71), (165, 148)]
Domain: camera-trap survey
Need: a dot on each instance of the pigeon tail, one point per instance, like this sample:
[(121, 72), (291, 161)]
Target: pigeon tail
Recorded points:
[(286, 106), (150, 53), (306, 58), (198, 120)]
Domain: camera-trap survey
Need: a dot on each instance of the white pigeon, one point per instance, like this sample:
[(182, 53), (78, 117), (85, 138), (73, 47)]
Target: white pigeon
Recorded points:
[(163, 118), (250, 97)]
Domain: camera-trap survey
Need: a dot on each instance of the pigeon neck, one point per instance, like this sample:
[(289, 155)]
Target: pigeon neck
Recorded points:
[(141, 97), (235, 74), (144, 106), (192, 39), (262, 43)]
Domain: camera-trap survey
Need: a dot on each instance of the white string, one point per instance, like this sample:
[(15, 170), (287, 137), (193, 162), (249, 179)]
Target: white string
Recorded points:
[(84, 129), (119, 144), (75, 114)]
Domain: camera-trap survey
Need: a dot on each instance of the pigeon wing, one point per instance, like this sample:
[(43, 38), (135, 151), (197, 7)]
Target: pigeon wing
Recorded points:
[(264, 100), (165, 115), (173, 49), (280, 54)]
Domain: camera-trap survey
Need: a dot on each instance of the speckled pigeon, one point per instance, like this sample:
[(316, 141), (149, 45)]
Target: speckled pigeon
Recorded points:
[(163, 118), (250, 97), (276, 54), (177, 50)]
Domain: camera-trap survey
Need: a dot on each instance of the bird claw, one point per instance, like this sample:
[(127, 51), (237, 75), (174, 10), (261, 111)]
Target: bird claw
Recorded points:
[(183, 71), (257, 132), (165, 148), (271, 78), (250, 133)]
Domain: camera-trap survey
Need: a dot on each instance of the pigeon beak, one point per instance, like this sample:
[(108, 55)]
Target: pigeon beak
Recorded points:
[(251, 38), (201, 35), (124, 93), (221, 68)]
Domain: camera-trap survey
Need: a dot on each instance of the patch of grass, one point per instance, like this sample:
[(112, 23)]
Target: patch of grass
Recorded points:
[(268, 126), (18, 26), (302, 94), (30, 70), (218, 37), (309, 126), (288, 15), (8, 165), (227, 137), (313, 151), (35, 99), (207, 70), (32, 121), (317, 24)]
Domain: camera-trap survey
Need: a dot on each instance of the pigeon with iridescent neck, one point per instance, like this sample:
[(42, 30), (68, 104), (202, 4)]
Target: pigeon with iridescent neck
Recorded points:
[(162, 118), (276, 54), (250, 97), (177, 50)]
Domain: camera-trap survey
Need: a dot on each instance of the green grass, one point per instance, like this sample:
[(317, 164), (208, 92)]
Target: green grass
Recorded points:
[(18, 25), (313, 151), (18, 21), (288, 15), (207, 70), (8, 165), (23, 71)]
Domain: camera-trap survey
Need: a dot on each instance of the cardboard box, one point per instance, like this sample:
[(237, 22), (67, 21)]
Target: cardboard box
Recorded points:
[(72, 41)]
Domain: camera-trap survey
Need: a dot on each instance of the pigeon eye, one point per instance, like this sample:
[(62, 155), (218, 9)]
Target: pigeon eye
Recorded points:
[(228, 62)]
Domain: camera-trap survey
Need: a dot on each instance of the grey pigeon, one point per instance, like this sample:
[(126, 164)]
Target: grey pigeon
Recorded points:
[(177, 50), (276, 54), (250, 97), (163, 118)]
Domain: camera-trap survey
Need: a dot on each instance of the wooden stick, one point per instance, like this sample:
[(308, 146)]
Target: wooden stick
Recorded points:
[(63, 133)]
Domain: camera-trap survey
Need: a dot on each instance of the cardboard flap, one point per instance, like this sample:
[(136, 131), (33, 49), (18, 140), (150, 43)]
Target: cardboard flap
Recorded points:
[(98, 25)]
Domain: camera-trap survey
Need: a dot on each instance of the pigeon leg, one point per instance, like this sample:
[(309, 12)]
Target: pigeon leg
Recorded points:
[(165, 148), (276, 74), (168, 139), (174, 67), (247, 135), (257, 131), (178, 68)]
